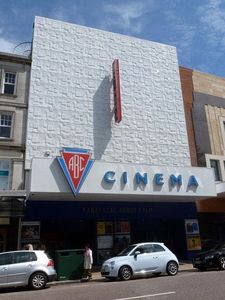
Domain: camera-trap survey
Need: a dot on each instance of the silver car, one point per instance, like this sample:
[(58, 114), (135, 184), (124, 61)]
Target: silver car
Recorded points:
[(26, 268), (141, 260)]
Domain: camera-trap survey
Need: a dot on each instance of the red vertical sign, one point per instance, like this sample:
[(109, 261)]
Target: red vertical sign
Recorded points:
[(116, 88)]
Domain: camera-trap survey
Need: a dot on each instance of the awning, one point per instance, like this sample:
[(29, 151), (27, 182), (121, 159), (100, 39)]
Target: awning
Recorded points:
[(122, 182)]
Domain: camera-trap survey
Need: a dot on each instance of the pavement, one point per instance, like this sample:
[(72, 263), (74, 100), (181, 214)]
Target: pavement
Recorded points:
[(96, 275)]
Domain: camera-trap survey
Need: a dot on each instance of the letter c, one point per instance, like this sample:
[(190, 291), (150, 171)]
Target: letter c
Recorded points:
[(108, 177)]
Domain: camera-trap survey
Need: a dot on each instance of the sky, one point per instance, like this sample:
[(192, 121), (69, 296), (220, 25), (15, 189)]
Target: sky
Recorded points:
[(195, 27)]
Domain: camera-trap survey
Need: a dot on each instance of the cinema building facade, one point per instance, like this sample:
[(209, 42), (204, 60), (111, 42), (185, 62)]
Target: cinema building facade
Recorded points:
[(107, 151)]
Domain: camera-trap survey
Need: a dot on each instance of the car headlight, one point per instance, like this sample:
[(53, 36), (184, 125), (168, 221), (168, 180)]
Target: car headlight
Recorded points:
[(105, 268), (112, 263), (209, 256)]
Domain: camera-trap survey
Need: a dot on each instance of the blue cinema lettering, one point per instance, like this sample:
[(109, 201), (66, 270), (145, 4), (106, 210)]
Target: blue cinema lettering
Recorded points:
[(159, 179), (192, 181), (141, 178), (175, 180), (108, 177), (125, 177)]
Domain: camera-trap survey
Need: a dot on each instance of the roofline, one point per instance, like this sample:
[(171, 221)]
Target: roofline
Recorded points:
[(15, 58), (185, 68)]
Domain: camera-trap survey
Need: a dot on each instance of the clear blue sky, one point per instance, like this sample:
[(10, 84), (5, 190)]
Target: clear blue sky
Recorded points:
[(195, 27)]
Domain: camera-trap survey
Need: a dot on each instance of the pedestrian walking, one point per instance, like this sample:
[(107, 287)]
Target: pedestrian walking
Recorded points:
[(88, 261)]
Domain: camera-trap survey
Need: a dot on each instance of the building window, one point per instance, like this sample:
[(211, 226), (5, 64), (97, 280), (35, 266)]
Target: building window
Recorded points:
[(9, 83), (215, 165), (5, 125), (4, 174)]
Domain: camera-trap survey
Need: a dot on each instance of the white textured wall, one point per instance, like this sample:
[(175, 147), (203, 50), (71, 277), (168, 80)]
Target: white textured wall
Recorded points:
[(71, 97)]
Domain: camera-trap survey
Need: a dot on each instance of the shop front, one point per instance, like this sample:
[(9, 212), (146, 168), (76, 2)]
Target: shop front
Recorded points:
[(76, 200), (109, 226)]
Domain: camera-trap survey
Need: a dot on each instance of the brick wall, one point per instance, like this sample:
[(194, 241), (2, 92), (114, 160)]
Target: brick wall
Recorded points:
[(187, 92)]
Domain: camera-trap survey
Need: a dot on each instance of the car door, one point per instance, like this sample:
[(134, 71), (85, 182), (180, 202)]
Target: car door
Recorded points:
[(23, 263), (5, 262), (145, 262), (160, 256)]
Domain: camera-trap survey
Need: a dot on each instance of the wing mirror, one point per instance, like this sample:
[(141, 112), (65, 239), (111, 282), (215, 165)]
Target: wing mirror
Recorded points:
[(136, 253)]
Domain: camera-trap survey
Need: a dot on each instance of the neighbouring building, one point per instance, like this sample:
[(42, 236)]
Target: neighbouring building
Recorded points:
[(107, 146), (204, 102), (14, 87)]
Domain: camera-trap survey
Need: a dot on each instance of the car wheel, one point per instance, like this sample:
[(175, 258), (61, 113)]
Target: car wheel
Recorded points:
[(38, 281), (221, 263), (125, 273), (172, 268)]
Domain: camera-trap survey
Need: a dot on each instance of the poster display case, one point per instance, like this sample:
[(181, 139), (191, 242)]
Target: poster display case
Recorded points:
[(30, 233), (193, 243), (122, 227), (104, 228), (103, 255), (105, 242), (112, 237), (192, 234)]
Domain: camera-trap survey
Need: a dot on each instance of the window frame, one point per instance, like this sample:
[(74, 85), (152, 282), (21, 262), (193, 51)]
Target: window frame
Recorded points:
[(24, 257), (216, 169), (9, 173), (2, 112), (221, 160), (3, 77), (10, 259), (158, 248)]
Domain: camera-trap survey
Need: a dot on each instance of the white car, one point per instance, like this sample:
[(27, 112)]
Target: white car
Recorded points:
[(26, 268), (141, 260)]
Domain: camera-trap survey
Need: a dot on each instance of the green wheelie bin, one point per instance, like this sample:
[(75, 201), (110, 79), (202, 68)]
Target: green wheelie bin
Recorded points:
[(69, 264)]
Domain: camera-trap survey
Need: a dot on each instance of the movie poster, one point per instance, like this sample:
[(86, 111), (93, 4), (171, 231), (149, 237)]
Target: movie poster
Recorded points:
[(30, 231)]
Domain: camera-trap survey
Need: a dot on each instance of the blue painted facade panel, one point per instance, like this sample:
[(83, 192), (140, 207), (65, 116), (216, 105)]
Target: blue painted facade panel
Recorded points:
[(62, 210)]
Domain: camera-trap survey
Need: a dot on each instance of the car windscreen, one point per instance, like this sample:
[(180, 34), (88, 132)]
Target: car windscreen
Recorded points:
[(220, 246), (127, 250)]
